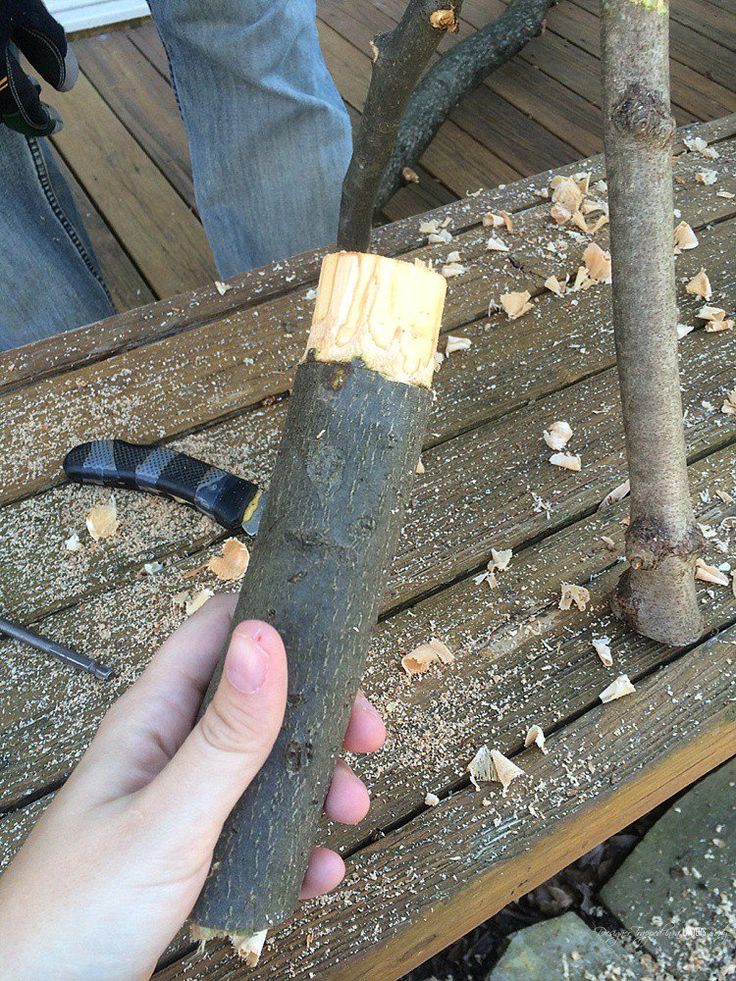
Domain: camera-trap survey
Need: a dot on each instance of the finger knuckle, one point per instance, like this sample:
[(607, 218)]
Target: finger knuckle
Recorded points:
[(222, 729)]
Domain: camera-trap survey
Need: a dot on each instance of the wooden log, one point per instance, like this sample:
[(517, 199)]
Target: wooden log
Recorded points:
[(347, 459)]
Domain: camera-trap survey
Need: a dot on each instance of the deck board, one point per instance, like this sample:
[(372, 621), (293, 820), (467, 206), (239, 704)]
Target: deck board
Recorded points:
[(538, 112), (203, 370)]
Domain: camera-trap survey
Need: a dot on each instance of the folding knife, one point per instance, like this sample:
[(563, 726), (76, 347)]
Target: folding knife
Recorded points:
[(231, 501)]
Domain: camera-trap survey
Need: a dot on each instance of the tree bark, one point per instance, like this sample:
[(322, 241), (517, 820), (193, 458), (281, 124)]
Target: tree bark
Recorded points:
[(455, 75), (656, 595), (345, 467), (399, 58)]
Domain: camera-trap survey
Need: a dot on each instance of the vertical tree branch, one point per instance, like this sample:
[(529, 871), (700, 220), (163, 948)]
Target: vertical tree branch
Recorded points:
[(399, 58), (656, 595)]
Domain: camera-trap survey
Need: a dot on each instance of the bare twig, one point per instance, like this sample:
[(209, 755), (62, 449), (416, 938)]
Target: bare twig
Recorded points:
[(656, 595), (455, 75), (399, 58)]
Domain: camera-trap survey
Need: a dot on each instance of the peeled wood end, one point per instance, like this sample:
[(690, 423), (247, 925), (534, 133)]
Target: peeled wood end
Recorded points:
[(383, 311), (248, 947)]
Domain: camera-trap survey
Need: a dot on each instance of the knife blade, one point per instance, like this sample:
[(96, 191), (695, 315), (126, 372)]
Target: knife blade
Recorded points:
[(231, 501)]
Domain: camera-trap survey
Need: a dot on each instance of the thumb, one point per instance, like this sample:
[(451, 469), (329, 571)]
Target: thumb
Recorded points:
[(230, 743)]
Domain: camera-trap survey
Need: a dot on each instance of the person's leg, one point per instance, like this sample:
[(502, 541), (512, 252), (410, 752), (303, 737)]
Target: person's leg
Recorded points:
[(49, 276), (269, 136)]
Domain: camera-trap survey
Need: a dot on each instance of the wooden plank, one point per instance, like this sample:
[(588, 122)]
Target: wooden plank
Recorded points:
[(121, 333), (430, 881), (218, 369), (470, 499), (143, 101), (146, 38), (127, 287), (707, 19), (158, 230)]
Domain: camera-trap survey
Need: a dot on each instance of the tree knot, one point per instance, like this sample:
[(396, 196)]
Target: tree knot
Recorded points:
[(644, 115), (648, 542), (445, 20)]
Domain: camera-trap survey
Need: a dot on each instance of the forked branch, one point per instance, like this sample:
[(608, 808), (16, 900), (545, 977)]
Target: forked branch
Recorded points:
[(399, 58)]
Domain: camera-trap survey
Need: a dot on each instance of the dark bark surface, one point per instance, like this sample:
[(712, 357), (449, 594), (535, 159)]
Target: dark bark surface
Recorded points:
[(454, 76), (399, 58), (345, 467)]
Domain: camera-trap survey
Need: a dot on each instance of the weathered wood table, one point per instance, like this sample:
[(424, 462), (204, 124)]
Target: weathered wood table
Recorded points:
[(211, 373)]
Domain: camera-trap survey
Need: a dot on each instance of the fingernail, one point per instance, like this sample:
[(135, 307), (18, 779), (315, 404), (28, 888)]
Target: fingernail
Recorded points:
[(365, 705), (247, 663)]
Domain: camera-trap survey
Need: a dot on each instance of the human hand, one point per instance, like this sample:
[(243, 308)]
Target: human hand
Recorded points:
[(115, 864), (27, 25)]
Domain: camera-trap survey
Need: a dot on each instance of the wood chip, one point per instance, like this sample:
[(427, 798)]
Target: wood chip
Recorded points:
[(420, 468), (457, 344), (535, 737), (222, 288), (409, 175), (709, 573), (249, 948), (728, 195), (452, 269), (566, 461), (493, 221), (684, 238), (480, 767), (500, 559), (431, 800), (504, 771), (516, 304), (602, 647), (558, 435), (729, 404), (444, 20), (567, 192), (233, 561), (696, 144), (700, 286), (553, 284), (495, 244), (442, 237), (423, 657), (683, 330), (102, 520), (715, 319), (73, 544), (617, 494), (598, 263), (707, 177), (193, 603), (570, 593), (617, 689)]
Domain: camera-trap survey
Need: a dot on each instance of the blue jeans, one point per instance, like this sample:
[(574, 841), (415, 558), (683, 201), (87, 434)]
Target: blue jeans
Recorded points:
[(269, 139)]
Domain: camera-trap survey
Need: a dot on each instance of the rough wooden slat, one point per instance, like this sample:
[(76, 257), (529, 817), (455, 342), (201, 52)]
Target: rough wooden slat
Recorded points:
[(707, 19), (141, 327), (159, 231), (143, 101), (218, 369), (433, 879), (146, 38)]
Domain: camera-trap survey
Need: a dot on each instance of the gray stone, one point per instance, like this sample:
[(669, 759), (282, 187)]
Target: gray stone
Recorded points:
[(564, 949), (675, 892)]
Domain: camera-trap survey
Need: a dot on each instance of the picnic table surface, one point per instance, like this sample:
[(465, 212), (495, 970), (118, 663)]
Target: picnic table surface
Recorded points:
[(210, 373)]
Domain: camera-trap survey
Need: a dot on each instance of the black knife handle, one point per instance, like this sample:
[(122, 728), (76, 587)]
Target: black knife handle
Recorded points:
[(114, 463)]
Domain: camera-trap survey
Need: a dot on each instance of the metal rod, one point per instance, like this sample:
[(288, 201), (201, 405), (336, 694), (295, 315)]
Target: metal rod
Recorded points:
[(101, 671)]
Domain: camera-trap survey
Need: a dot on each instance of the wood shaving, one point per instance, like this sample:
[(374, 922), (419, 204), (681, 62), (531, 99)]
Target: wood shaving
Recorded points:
[(567, 192), (696, 144), (582, 280), (73, 544), (729, 195), (729, 404), (507, 220), (249, 949), (233, 561), (683, 330), (715, 319), (709, 573), (598, 263), (457, 344), (423, 657), (602, 646), (553, 284), (558, 435), (420, 468), (617, 494), (707, 177), (481, 768), (700, 286), (495, 244), (453, 256), (535, 737), (501, 220), (152, 568), (222, 288), (500, 559), (444, 20), (570, 593), (442, 237), (684, 238), (409, 175), (452, 269), (608, 542), (431, 227), (566, 461), (431, 800), (516, 304), (193, 603), (504, 771), (617, 689), (102, 520)]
